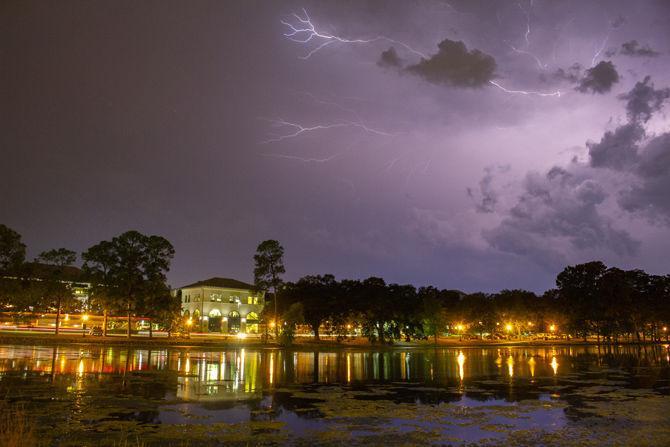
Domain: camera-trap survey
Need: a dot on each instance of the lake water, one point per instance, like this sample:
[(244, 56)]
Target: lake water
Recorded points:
[(92, 394)]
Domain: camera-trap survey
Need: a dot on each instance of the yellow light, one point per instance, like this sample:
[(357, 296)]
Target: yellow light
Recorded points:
[(552, 328), (272, 323), (241, 335), (530, 323), (554, 365), (508, 327), (459, 327), (189, 322), (461, 363), (84, 317), (665, 328), (348, 326)]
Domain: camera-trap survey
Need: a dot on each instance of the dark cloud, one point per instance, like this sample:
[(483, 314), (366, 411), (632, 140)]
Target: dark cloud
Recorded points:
[(649, 194), (454, 65), (559, 209), (617, 149), (487, 195), (570, 74), (633, 48), (622, 150), (390, 59), (644, 100), (599, 79)]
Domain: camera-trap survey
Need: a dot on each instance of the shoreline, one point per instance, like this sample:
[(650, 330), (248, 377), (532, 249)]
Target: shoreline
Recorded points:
[(201, 342)]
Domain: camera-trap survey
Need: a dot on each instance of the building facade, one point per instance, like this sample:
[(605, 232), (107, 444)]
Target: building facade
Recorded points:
[(222, 305)]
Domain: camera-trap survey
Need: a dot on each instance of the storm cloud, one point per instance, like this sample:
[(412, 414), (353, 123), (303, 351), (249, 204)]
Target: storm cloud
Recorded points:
[(617, 149), (559, 209), (599, 79), (634, 49), (454, 65), (390, 59), (643, 100)]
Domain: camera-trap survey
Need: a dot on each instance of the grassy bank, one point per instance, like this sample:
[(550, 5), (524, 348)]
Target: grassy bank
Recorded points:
[(25, 338)]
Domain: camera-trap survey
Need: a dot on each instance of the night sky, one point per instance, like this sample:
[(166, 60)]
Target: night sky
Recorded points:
[(403, 148)]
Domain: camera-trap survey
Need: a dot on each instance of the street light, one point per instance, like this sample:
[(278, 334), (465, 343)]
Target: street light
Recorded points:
[(83, 326), (552, 328)]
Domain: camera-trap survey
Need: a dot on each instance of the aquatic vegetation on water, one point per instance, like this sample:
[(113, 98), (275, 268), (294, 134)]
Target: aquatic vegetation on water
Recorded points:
[(213, 399)]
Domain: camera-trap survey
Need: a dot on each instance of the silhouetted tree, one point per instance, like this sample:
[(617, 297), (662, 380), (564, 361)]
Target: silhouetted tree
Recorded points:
[(269, 267)]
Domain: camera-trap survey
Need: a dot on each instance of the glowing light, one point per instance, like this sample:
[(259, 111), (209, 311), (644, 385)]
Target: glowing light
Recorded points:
[(554, 365), (348, 367), (665, 329), (272, 323), (531, 364), (508, 327), (461, 362), (459, 327), (552, 328), (241, 335), (557, 93), (85, 317), (510, 366), (303, 30), (189, 322)]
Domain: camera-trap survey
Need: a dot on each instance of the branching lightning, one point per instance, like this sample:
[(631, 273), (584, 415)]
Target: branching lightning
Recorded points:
[(539, 62), (527, 14), (600, 49), (302, 159), (557, 93), (304, 31), (526, 36), (299, 129)]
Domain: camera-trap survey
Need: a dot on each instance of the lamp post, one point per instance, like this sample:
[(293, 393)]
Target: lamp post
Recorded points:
[(189, 323), (84, 318)]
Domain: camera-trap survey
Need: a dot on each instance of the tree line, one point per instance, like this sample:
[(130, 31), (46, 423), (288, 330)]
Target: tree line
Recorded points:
[(589, 300), (127, 276)]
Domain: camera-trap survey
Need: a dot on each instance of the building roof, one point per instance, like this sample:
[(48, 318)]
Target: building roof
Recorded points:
[(227, 283), (38, 270)]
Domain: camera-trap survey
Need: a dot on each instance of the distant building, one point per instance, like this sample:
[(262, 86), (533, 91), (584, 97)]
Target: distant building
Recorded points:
[(222, 305), (73, 277)]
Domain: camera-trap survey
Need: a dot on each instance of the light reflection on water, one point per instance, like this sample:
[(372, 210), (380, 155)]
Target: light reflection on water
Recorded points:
[(231, 386), (221, 374)]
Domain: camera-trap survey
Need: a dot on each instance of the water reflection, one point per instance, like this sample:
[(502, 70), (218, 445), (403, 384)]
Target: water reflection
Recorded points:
[(245, 373)]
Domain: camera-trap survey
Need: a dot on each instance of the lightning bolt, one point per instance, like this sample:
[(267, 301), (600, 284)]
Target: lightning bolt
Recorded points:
[(299, 129), (302, 159), (600, 50), (304, 31), (539, 62), (526, 37), (557, 93), (527, 14)]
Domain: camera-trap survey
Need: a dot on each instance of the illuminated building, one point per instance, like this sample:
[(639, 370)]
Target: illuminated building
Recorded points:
[(222, 305)]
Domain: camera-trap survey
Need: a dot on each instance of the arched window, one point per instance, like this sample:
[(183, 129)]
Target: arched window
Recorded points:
[(187, 313), (214, 323), (234, 321)]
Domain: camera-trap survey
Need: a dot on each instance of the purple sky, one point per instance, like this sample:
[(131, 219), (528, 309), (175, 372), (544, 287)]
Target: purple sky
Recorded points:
[(165, 117)]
